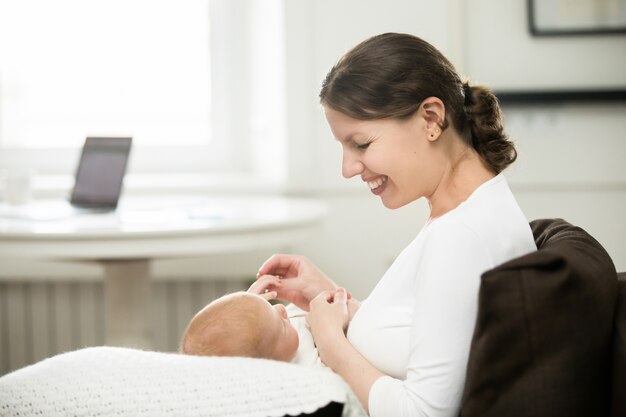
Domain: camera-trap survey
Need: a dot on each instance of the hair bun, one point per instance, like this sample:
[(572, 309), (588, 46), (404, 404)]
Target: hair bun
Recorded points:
[(467, 94)]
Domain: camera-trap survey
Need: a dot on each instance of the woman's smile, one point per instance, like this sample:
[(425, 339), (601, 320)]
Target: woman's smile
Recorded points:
[(378, 184)]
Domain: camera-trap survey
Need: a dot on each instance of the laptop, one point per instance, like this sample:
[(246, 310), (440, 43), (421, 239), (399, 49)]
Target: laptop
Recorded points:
[(97, 183), (100, 173)]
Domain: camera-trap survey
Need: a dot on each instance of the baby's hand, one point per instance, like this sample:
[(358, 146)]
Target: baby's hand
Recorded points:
[(265, 286)]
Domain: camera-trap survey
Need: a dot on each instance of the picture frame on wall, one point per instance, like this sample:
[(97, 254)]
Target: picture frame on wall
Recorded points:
[(576, 17)]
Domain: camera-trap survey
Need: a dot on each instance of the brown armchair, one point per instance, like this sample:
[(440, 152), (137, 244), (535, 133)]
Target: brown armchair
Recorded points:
[(550, 336)]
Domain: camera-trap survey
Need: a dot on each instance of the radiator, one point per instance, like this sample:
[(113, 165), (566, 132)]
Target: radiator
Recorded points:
[(41, 319)]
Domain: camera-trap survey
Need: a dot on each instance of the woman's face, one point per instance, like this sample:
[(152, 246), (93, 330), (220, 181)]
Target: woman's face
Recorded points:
[(393, 157)]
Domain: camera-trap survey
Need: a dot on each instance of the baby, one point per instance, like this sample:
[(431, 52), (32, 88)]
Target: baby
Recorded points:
[(246, 324)]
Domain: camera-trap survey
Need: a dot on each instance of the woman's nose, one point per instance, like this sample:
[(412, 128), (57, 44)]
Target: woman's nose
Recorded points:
[(350, 165)]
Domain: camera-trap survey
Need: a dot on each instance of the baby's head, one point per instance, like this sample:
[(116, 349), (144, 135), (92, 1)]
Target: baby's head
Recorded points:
[(241, 324)]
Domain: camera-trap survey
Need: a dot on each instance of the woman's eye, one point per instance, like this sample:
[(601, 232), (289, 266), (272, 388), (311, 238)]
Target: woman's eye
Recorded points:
[(364, 145)]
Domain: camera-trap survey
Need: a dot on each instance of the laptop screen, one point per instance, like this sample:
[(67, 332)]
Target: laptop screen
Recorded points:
[(100, 173)]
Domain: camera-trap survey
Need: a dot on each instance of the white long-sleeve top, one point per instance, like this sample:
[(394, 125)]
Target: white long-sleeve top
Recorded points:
[(417, 324)]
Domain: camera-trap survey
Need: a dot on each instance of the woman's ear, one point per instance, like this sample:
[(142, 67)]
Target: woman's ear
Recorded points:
[(433, 112)]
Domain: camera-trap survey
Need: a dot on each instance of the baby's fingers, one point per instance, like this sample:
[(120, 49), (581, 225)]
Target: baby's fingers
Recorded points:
[(264, 284), (269, 295)]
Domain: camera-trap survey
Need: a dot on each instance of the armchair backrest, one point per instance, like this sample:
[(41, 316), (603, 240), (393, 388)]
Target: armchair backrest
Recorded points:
[(619, 351), (543, 343)]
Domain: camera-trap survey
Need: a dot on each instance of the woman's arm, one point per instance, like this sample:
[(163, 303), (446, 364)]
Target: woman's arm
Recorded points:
[(442, 297), (328, 319)]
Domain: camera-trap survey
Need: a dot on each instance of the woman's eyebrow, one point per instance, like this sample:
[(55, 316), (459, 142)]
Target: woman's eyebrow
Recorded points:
[(349, 138)]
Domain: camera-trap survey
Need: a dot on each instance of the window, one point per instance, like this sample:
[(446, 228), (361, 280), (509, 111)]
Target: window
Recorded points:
[(75, 68), (174, 75)]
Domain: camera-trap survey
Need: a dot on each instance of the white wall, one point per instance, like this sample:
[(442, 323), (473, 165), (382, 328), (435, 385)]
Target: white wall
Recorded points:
[(499, 50)]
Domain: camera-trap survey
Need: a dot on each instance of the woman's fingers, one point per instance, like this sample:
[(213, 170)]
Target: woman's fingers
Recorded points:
[(328, 313), (272, 265), (341, 297), (353, 307), (325, 297), (338, 295), (285, 265)]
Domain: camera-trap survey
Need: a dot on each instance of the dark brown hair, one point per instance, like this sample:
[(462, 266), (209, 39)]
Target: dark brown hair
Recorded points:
[(389, 75)]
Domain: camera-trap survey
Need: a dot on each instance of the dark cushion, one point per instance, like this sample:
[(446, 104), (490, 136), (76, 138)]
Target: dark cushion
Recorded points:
[(333, 409), (542, 343), (619, 352)]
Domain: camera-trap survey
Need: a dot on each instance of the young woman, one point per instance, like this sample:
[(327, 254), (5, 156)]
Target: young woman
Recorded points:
[(410, 128)]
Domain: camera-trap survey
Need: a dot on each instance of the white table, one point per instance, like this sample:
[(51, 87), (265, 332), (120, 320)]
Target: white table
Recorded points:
[(143, 229)]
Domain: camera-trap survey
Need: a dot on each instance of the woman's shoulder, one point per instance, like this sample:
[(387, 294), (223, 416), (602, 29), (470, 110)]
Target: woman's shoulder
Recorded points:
[(490, 206), (451, 230), (492, 220)]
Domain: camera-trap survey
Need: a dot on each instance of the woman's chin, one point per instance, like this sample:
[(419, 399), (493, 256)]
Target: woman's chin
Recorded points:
[(394, 203), (391, 204)]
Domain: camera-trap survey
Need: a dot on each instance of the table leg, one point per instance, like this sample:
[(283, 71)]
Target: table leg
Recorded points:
[(127, 297)]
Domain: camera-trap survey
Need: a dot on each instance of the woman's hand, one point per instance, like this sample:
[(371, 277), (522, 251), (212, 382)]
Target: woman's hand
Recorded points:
[(353, 306), (300, 280), (328, 318)]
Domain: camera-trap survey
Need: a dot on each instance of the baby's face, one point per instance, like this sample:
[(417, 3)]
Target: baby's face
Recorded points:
[(281, 335)]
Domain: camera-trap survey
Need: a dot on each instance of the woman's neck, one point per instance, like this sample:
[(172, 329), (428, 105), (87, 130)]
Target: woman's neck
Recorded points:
[(465, 173)]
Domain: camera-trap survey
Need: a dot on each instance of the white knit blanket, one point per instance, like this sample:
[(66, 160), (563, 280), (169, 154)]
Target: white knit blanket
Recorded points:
[(108, 381)]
